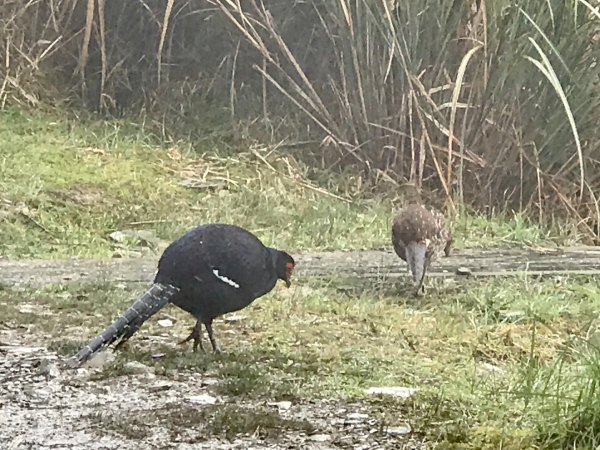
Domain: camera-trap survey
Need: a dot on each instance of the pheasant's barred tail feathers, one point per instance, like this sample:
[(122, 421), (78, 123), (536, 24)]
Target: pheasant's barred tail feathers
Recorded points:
[(128, 323)]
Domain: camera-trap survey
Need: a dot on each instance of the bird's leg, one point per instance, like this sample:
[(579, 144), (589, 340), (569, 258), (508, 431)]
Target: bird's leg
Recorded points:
[(209, 329), (196, 335), (421, 285), (420, 290)]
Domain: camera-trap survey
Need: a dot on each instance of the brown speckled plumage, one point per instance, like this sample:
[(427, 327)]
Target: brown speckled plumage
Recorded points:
[(419, 235)]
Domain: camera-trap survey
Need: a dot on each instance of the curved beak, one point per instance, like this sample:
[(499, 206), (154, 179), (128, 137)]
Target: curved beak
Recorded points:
[(417, 261)]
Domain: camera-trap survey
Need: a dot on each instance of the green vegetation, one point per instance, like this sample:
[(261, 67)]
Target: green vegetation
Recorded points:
[(66, 185), (227, 421), (499, 363), (494, 105)]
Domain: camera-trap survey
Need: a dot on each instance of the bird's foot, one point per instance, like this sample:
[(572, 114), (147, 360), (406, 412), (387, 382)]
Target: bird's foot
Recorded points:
[(197, 337), (420, 291), (197, 343), (187, 339)]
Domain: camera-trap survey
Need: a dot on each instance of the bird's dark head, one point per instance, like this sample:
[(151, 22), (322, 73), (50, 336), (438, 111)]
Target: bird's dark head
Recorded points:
[(284, 265)]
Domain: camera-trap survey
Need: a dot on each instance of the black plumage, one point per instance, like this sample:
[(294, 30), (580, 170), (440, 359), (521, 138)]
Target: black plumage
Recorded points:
[(211, 270)]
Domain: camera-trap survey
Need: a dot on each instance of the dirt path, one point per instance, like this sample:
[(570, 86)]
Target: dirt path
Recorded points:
[(68, 410), (361, 264)]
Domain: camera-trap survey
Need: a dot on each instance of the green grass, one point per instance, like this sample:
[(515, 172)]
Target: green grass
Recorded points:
[(229, 421), (66, 184), (507, 363)]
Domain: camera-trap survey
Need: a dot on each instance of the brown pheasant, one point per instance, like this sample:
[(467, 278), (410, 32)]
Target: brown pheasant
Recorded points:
[(419, 236)]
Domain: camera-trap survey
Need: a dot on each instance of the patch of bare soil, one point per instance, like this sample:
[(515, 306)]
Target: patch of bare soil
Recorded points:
[(371, 264), (45, 407)]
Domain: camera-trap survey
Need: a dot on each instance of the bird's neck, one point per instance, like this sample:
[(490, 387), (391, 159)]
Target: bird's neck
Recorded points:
[(274, 256)]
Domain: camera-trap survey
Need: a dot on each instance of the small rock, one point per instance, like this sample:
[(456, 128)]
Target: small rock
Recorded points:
[(100, 360), (158, 355), (41, 393), (319, 438), (144, 236), (159, 387), (82, 373), (281, 405), (49, 369), (399, 431), (26, 309), (491, 368), (393, 391), (233, 318), (17, 349), (165, 323), (137, 368), (202, 399), (209, 381), (126, 254), (465, 271), (356, 417)]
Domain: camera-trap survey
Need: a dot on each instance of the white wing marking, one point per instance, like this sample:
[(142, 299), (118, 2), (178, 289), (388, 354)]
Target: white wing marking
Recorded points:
[(224, 279)]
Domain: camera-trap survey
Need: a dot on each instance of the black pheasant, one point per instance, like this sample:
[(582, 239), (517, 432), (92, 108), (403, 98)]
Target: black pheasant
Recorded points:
[(419, 236), (209, 271)]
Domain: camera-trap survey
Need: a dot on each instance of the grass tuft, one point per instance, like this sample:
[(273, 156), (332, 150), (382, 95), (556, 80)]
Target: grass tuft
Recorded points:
[(227, 421), (230, 421)]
